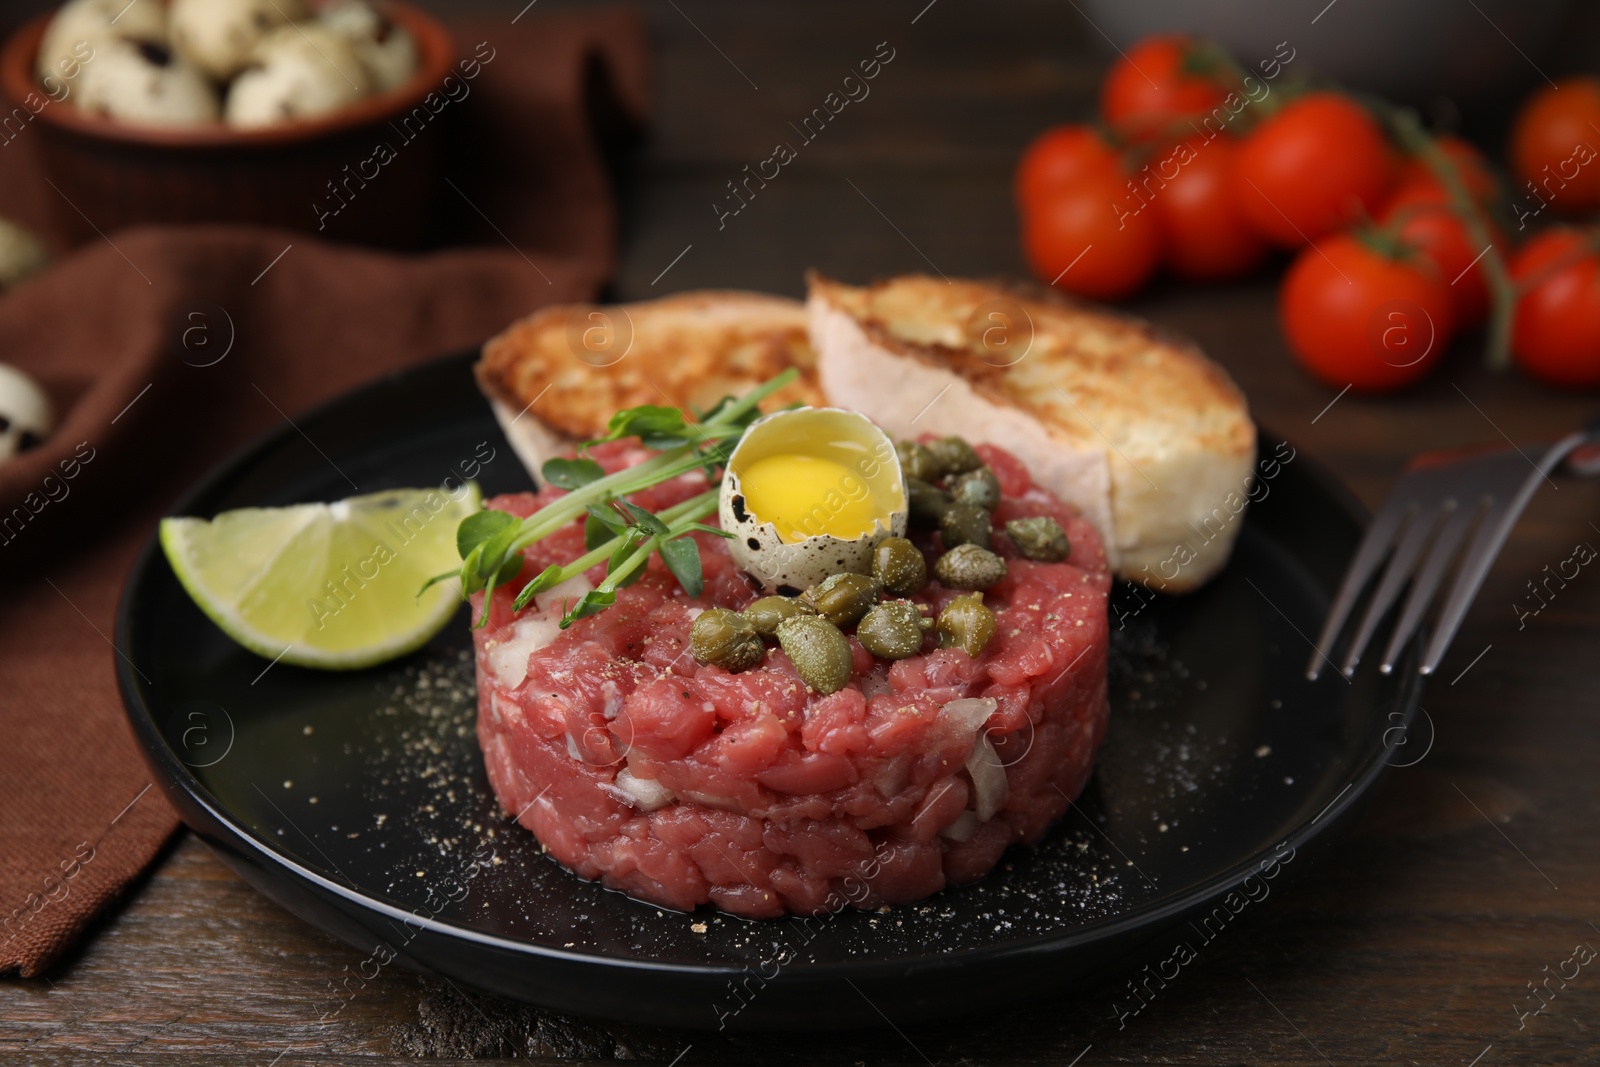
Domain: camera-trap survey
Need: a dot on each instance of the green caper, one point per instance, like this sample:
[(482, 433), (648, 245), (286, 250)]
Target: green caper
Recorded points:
[(925, 502), (916, 461), (893, 630), (723, 638), (898, 565), (765, 614), (843, 598), (818, 650), (969, 567), (1040, 538), (965, 524), (978, 487), (966, 624), (954, 455)]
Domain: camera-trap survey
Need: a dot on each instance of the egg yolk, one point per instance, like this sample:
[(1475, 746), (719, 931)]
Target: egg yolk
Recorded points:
[(807, 496)]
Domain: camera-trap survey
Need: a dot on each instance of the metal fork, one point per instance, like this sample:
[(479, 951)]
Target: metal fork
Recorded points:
[(1442, 497)]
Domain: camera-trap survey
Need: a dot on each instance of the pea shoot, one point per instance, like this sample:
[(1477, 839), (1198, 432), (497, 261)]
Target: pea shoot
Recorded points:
[(617, 532)]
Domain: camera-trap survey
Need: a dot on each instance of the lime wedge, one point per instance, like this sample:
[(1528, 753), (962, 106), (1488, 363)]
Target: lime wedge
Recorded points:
[(326, 585)]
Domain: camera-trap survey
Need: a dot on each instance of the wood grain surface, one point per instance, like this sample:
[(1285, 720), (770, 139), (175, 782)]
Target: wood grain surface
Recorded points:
[(1416, 940)]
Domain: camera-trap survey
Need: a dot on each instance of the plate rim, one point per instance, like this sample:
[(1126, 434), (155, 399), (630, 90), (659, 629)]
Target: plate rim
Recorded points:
[(175, 777)]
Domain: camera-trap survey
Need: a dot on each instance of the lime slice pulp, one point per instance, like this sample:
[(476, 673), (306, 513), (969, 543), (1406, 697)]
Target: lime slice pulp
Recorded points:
[(326, 585)]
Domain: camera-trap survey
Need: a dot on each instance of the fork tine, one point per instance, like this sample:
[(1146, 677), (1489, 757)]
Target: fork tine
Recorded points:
[(1480, 554), (1402, 563), (1496, 526), (1374, 546), (1440, 554)]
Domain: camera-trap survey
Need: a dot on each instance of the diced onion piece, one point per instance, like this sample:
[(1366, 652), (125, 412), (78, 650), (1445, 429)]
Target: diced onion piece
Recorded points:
[(963, 828), (989, 785), (970, 713), (503, 709), (508, 660), (570, 591), (646, 794)]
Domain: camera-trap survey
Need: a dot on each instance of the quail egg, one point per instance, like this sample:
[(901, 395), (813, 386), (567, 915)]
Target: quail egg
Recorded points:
[(302, 71), (809, 493), (26, 417), (387, 51), (21, 254), (220, 36), (141, 82), (82, 27)]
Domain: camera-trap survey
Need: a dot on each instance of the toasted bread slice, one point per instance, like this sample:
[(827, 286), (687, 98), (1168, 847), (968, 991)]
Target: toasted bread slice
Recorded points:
[(557, 376), (1151, 440)]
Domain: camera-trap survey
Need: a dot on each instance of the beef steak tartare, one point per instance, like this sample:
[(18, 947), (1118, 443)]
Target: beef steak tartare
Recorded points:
[(684, 784)]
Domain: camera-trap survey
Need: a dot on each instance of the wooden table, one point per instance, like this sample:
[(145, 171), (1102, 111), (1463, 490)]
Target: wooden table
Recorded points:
[(1473, 874)]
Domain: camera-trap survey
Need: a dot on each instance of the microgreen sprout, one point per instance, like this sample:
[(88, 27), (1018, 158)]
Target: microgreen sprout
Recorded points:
[(617, 532)]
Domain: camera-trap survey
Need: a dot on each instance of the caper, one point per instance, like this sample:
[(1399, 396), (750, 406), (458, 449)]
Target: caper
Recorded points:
[(965, 524), (818, 650), (843, 598), (966, 624), (954, 455), (723, 638), (1040, 538), (925, 502), (978, 487), (893, 630), (898, 565), (969, 567), (916, 461), (765, 614)]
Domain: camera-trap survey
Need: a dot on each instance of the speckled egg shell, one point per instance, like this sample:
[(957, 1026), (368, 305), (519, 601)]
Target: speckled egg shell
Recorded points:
[(789, 569)]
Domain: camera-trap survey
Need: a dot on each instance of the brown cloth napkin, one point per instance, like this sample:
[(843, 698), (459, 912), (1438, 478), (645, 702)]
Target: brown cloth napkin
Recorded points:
[(111, 333)]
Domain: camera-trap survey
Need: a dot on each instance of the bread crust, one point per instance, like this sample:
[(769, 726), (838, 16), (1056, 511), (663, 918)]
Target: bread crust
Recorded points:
[(1080, 386), (572, 371), (1134, 426)]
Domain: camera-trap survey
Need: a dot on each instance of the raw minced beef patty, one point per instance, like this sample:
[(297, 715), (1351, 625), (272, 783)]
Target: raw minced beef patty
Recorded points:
[(683, 784)]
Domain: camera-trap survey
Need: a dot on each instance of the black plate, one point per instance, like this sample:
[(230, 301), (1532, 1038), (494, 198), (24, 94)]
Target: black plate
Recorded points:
[(358, 801)]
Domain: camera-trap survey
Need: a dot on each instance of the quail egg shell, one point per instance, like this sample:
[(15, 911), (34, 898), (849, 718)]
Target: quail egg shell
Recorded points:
[(147, 84), (21, 254), (81, 28), (387, 51), (304, 71), (219, 36), (809, 493), (26, 415)]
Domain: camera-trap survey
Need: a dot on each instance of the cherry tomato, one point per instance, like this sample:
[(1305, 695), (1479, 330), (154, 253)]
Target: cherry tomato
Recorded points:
[(1160, 81), (1477, 173), (1207, 237), (1355, 314), (1422, 215), (1556, 335), (1315, 166), (1088, 238), (1057, 157), (1554, 144)]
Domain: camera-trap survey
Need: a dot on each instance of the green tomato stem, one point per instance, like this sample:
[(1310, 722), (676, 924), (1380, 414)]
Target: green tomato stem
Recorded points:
[(1502, 291)]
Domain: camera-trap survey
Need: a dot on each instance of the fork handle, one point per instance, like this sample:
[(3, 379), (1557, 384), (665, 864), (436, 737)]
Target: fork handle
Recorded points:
[(1584, 459)]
